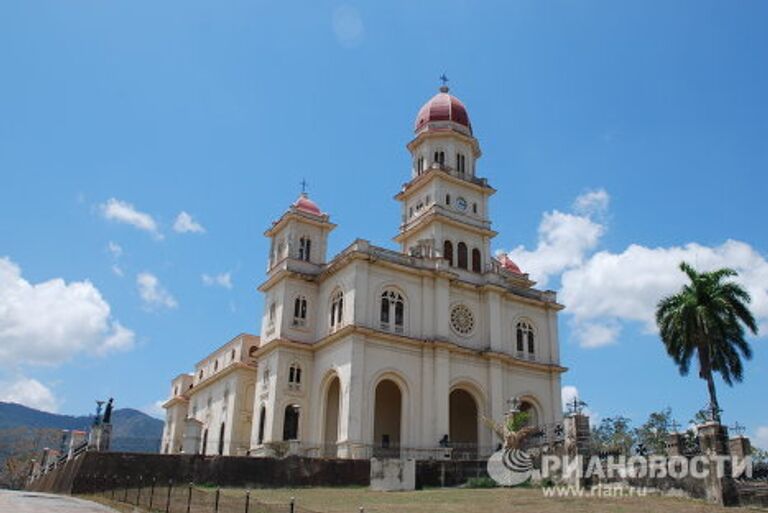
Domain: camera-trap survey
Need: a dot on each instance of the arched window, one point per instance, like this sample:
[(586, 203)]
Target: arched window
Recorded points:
[(462, 248), (305, 246), (448, 252), (447, 199), (265, 376), (262, 420), (294, 376), (440, 158), (272, 313), (525, 340), (420, 165), (392, 312), (461, 162), (300, 311), (215, 365), (291, 423), (337, 309), (476, 263)]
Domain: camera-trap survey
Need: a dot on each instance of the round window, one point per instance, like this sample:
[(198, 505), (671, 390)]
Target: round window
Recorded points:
[(462, 320)]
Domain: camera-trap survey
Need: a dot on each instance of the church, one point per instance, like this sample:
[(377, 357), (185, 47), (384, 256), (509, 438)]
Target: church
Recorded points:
[(380, 352)]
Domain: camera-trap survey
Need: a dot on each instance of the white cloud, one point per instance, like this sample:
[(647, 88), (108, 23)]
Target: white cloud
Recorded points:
[(115, 249), (348, 25), (627, 286), (592, 202), (596, 334), (155, 409), (564, 240), (124, 212), (50, 322), (185, 224), (221, 280), (761, 437), (603, 290), (121, 339), (29, 392), (567, 394), (152, 293)]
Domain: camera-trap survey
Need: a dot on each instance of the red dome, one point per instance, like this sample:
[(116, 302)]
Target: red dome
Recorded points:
[(508, 265), (307, 205), (443, 107)]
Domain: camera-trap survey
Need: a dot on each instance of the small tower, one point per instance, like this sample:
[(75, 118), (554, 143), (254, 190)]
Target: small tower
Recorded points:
[(445, 204), (300, 234), (299, 244)]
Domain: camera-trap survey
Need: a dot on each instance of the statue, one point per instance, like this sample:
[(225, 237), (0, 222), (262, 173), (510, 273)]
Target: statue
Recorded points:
[(108, 412), (97, 419), (511, 465), (514, 430)]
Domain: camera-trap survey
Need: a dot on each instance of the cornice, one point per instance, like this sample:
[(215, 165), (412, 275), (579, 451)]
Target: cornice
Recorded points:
[(404, 340)]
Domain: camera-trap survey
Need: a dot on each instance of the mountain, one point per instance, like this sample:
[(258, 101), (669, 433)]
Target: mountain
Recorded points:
[(132, 430)]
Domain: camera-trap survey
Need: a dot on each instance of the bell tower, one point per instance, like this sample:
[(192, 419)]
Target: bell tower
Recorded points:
[(445, 204), (300, 234), (299, 243)]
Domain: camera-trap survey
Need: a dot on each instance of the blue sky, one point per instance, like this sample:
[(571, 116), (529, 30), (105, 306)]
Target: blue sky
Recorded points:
[(652, 113)]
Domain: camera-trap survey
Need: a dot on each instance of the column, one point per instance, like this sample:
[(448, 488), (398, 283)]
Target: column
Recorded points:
[(721, 489), (495, 321), (442, 391)]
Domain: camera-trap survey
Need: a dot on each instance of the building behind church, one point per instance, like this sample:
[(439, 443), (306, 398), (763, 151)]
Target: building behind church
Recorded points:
[(378, 352)]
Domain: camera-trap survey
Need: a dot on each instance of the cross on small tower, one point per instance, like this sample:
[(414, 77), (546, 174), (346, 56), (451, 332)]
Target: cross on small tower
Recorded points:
[(444, 80), (576, 405), (303, 184), (674, 426), (738, 429)]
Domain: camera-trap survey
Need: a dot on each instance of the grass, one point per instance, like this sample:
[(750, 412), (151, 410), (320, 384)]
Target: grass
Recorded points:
[(466, 500)]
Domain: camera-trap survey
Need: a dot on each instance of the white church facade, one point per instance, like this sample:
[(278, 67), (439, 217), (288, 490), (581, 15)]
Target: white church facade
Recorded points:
[(377, 351)]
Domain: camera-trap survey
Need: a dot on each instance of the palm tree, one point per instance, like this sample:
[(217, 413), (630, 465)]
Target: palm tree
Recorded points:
[(707, 317)]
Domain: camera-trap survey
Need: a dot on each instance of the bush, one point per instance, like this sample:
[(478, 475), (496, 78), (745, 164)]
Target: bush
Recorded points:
[(481, 482)]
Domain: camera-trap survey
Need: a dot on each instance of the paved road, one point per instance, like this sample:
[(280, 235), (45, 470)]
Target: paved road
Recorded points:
[(34, 502)]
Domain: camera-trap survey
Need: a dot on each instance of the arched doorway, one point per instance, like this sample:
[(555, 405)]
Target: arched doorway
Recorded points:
[(528, 408), (262, 420), (463, 424), (222, 429), (332, 410), (204, 444), (291, 423), (387, 420)]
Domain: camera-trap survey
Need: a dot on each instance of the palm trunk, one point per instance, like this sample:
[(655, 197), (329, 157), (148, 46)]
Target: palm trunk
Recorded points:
[(705, 371), (713, 404)]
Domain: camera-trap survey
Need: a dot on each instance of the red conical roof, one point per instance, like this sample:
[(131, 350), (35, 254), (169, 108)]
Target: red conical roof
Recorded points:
[(307, 205), (508, 264)]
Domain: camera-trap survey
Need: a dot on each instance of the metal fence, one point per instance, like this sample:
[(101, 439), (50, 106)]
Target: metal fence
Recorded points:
[(152, 495)]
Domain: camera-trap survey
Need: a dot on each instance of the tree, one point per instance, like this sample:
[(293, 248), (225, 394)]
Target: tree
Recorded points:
[(614, 435), (707, 319), (654, 433)]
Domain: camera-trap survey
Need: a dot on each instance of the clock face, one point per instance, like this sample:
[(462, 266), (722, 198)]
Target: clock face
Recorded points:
[(461, 204)]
